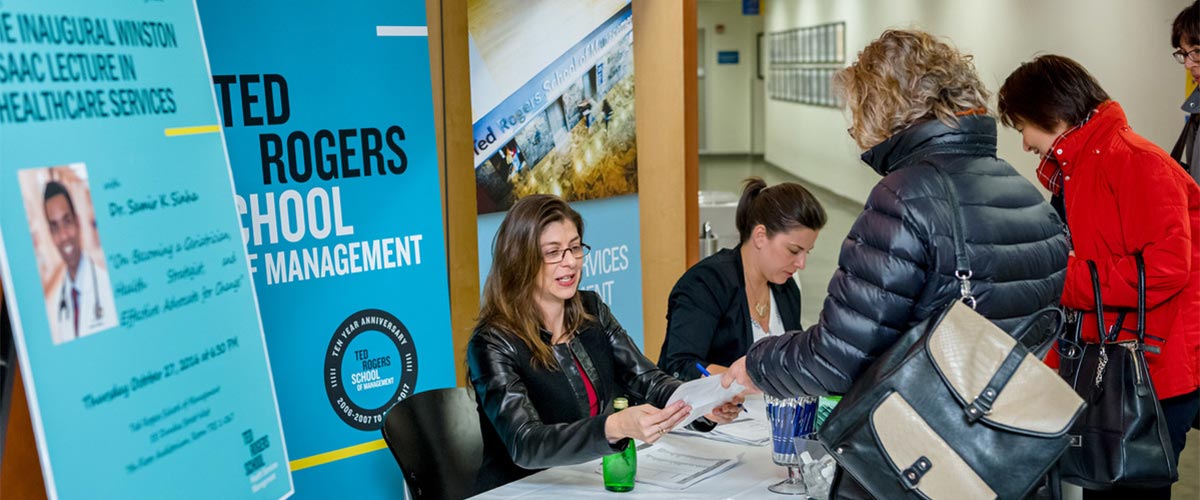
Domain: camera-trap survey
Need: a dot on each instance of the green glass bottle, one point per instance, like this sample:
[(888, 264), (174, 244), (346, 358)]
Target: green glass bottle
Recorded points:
[(620, 468)]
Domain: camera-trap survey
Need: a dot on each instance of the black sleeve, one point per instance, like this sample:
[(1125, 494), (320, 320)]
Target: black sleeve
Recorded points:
[(693, 313), (643, 380), (881, 271), (532, 444)]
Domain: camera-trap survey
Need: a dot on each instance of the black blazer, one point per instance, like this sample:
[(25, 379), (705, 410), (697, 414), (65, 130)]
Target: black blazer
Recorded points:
[(540, 417), (708, 320)]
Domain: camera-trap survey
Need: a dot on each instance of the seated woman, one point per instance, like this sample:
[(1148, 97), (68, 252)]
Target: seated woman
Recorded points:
[(547, 360), (736, 296)]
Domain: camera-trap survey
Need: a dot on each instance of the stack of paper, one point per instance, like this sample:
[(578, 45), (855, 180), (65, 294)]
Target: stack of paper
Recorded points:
[(748, 431)]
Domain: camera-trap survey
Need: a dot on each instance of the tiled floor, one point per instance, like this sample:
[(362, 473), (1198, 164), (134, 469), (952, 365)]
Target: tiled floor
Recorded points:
[(726, 172)]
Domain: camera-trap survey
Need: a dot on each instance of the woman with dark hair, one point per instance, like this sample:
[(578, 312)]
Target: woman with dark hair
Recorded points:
[(547, 360), (920, 111), (736, 296), (1123, 197), (1185, 37)]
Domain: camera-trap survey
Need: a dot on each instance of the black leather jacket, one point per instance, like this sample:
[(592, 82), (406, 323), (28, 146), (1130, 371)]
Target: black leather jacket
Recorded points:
[(896, 266), (542, 416)]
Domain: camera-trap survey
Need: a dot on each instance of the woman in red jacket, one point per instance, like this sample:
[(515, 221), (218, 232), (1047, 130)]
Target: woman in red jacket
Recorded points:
[(1123, 196)]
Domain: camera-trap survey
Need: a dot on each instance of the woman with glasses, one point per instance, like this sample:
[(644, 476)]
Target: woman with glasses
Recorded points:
[(1124, 197), (547, 359), (737, 296), (1185, 37)]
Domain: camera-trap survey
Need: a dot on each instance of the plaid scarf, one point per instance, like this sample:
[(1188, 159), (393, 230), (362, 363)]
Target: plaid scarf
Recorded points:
[(1048, 170), (1050, 174)]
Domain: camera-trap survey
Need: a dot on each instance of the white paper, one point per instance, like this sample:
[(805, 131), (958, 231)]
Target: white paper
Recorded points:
[(669, 467), (746, 430), (704, 394)]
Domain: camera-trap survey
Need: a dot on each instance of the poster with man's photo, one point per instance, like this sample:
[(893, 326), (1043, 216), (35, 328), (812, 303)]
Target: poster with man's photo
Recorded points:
[(124, 275), (71, 263)]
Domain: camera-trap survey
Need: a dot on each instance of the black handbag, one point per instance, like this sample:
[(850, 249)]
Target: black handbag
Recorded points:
[(1122, 438), (957, 408)]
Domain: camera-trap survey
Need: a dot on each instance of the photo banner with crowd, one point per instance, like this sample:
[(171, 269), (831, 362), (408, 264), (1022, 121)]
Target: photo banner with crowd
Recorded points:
[(552, 97)]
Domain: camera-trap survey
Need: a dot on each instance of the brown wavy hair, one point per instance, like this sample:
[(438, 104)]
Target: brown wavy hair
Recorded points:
[(508, 293), (905, 77)]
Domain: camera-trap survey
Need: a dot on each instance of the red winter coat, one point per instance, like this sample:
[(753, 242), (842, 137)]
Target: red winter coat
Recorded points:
[(1124, 196)]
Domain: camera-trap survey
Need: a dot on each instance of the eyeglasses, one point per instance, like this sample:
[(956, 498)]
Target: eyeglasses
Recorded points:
[(1193, 55), (556, 256)]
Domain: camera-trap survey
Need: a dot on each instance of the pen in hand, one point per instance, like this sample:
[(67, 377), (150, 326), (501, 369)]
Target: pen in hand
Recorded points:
[(706, 374)]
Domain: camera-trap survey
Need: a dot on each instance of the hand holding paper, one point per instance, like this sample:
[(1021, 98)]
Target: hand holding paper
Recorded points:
[(736, 375), (704, 394)]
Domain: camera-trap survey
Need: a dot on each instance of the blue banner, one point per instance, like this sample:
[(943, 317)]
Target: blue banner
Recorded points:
[(127, 284), (328, 115), (553, 92)]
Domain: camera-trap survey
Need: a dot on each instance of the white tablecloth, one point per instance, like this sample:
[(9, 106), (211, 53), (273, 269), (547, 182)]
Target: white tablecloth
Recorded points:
[(748, 479)]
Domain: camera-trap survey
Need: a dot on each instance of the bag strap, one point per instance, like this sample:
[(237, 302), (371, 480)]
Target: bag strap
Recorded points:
[(1029, 324), (962, 263), (1182, 152), (1141, 306), (1100, 330), (1141, 327)]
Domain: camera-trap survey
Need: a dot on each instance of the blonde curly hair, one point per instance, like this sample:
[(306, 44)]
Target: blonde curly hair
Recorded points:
[(903, 77)]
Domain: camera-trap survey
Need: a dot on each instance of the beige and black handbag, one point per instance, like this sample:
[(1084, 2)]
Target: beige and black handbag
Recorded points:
[(957, 408)]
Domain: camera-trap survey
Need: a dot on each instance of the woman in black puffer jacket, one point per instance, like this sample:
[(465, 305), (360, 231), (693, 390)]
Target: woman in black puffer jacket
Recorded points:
[(917, 105)]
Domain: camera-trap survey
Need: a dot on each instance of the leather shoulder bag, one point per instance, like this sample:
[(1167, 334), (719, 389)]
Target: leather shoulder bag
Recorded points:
[(1122, 438), (957, 408)]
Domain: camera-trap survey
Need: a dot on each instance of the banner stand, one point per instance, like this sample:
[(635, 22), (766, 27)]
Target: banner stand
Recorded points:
[(7, 365)]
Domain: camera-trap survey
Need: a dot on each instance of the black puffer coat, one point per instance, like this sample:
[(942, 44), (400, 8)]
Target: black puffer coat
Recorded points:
[(897, 264)]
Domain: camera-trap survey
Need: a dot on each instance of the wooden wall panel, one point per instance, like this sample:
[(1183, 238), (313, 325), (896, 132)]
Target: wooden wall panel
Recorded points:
[(664, 34), (450, 67), (20, 471)]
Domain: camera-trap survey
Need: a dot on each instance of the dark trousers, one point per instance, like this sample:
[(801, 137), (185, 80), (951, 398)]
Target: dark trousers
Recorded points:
[(1179, 412)]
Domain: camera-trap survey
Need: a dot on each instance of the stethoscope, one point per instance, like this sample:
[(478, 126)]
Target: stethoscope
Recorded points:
[(62, 301)]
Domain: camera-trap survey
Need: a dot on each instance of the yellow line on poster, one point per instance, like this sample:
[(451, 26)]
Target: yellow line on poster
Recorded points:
[(200, 129), (335, 455)]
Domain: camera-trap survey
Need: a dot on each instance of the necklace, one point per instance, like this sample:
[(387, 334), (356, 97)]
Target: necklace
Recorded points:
[(761, 309)]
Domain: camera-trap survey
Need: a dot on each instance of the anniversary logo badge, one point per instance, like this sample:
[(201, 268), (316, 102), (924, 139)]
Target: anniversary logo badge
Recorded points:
[(371, 363)]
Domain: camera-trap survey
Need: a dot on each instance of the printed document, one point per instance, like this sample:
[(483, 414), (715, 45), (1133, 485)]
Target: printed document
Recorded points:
[(704, 394)]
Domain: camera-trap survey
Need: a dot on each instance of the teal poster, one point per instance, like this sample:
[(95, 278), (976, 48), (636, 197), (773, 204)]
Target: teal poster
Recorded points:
[(328, 115), (132, 303)]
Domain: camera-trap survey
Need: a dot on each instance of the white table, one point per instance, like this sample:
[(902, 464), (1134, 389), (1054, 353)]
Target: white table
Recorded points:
[(747, 480)]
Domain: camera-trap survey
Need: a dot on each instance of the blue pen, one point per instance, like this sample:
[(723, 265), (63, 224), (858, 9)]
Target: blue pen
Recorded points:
[(706, 374)]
